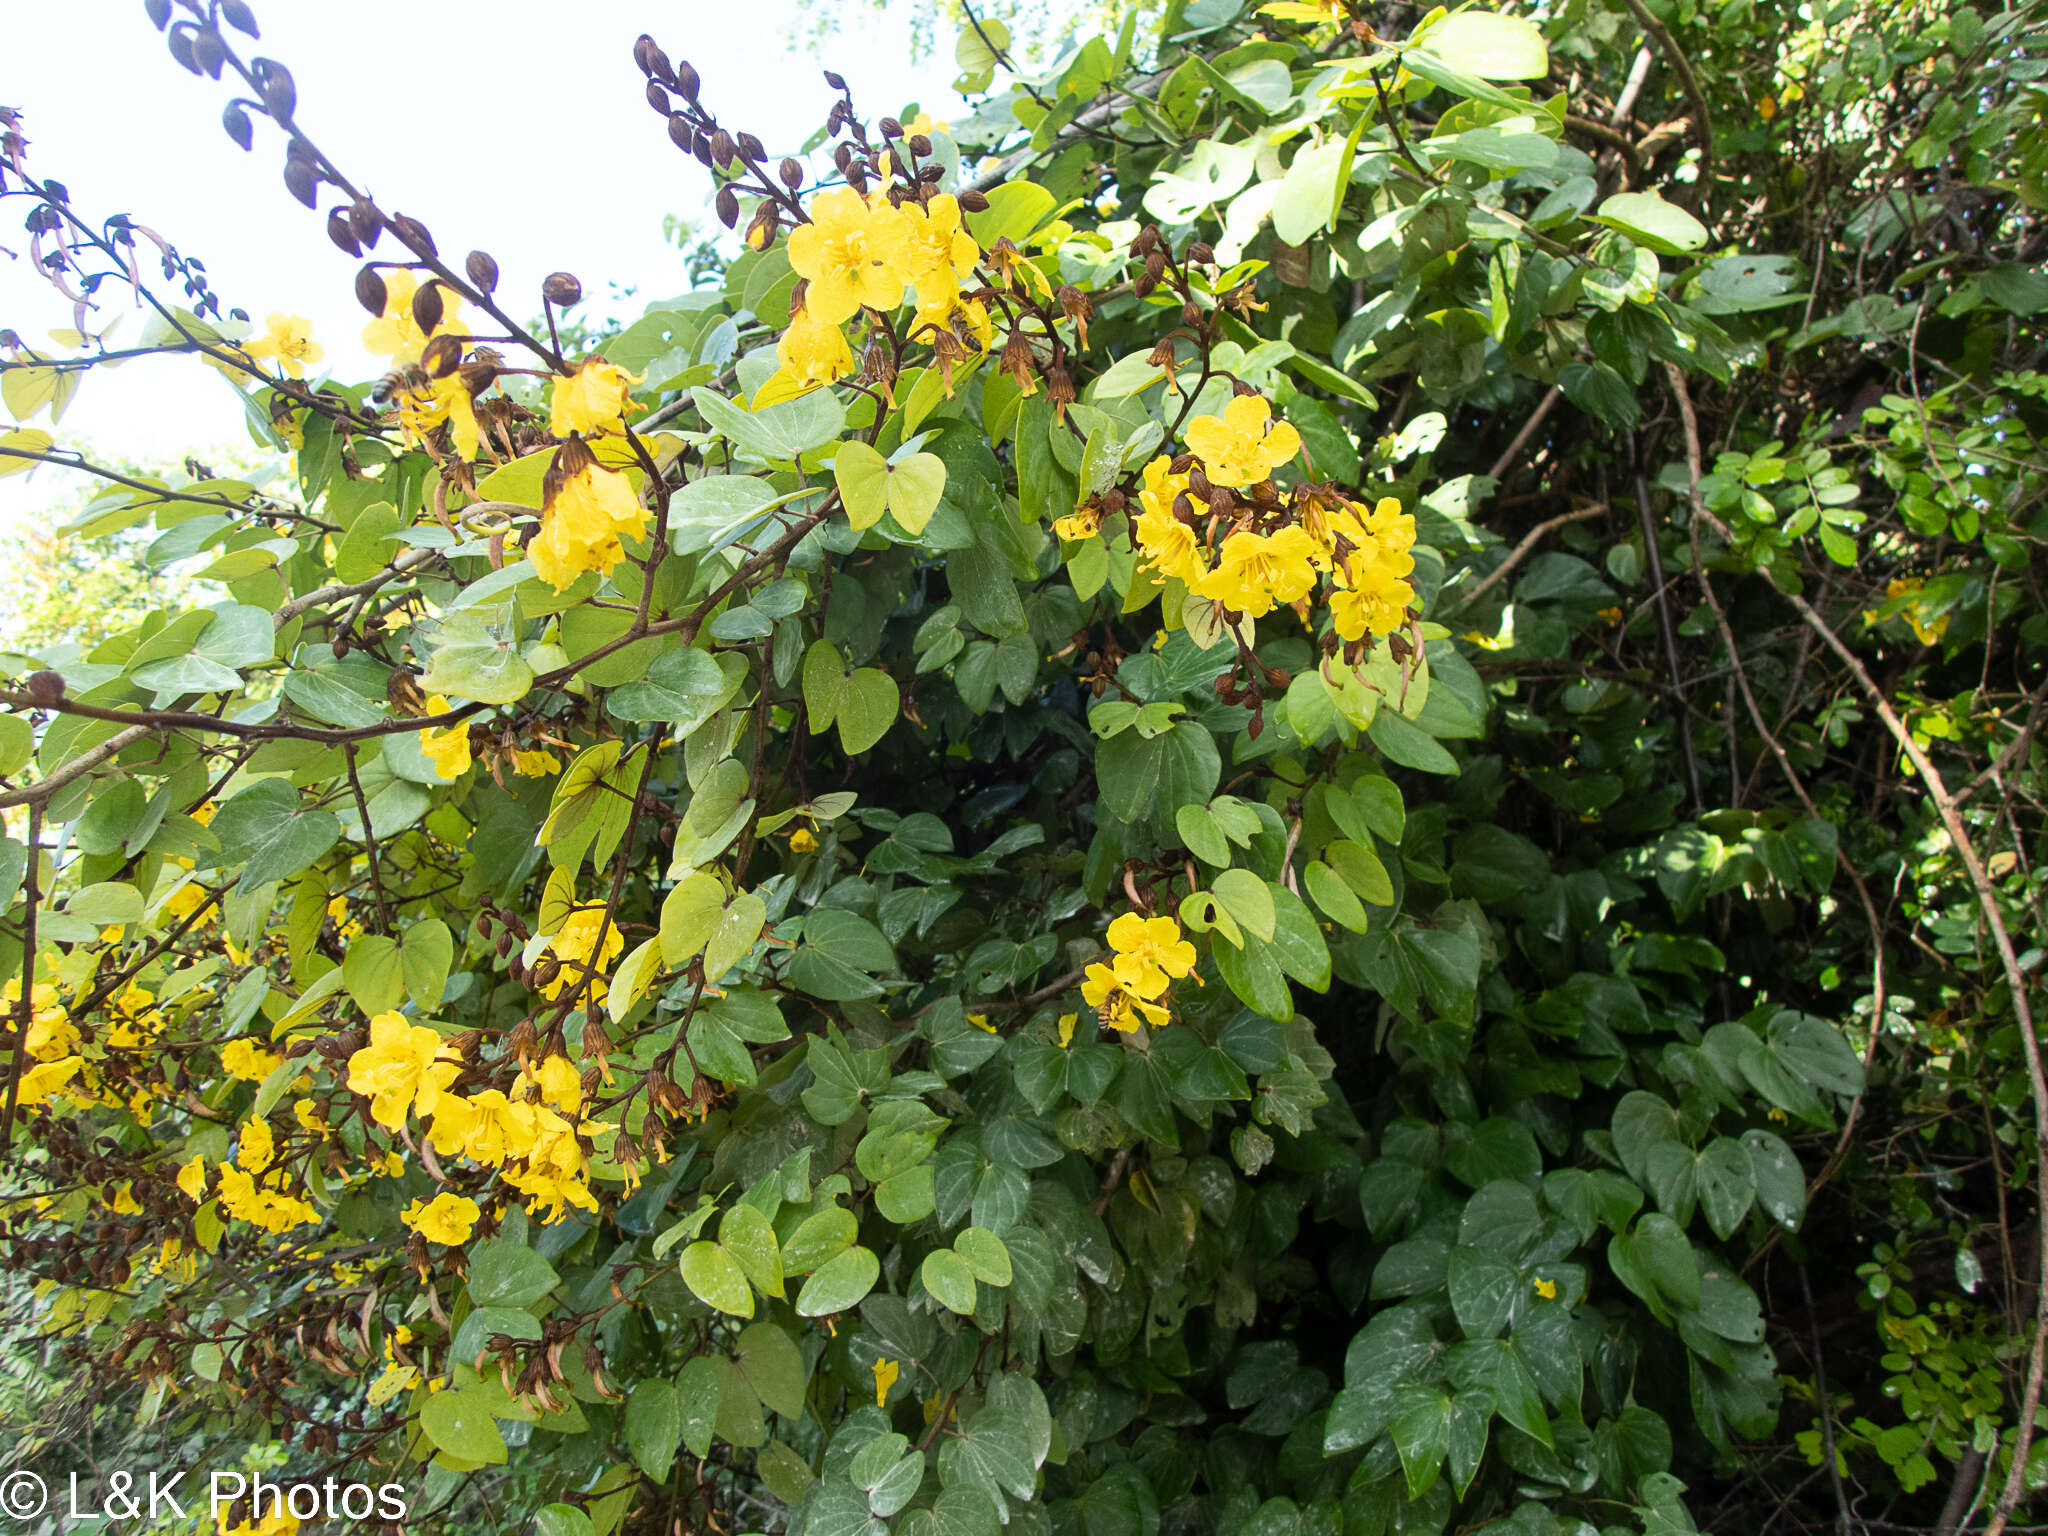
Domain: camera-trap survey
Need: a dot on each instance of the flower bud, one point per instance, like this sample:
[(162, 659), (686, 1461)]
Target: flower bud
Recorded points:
[(209, 50), (721, 148), (1221, 502), (367, 222), (657, 98), (1155, 263), (792, 173), (1198, 481), (179, 41), (752, 150), (45, 687), (482, 270), (1143, 284), (728, 204), (274, 84), (1202, 253), (842, 156), (339, 232), (652, 61), (427, 308), (686, 80), (159, 12), (680, 133), (919, 145), (414, 234), (370, 290), (836, 81), (972, 201), (1191, 314), (302, 181), (236, 122), (701, 148), (562, 290), (239, 16), (890, 128), (932, 173), (441, 355)]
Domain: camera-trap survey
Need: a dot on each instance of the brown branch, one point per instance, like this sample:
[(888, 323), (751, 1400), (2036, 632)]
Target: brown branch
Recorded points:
[(1521, 438), (1522, 551), (1702, 121)]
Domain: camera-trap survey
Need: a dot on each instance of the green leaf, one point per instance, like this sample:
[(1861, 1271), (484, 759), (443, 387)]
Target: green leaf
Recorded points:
[(819, 1238), (373, 974), (985, 1255), (1727, 1186), (867, 710), (746, 1236), (426, 951), (683, 688), (774, 1367), (461, 1423), (1246, 898), (263, 829), (654, 1427), (779, 432), (717, 1278), (839, 1283), (1421, 1426), (508, 1274), (909, 490), (697, 1388), (1648, 220), (950, 1280), (476, 659), (1780, 1183), (1491, 46)]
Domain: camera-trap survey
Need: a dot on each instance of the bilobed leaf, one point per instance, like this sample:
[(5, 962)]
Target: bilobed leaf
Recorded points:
[(867, 709), (462, 1424), (717, 1279), (839, 1283), (985, 1255), (747, 1237), (1491, 46), (949, 1279)]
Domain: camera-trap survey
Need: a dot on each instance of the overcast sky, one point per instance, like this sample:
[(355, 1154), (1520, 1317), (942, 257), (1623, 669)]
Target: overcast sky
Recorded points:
[(519, 127)]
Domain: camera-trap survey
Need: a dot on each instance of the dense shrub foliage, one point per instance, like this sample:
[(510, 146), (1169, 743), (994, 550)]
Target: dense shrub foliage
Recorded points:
[(1290, 788)]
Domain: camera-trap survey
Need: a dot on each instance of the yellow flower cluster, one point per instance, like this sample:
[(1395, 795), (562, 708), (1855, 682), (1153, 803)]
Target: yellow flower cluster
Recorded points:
[(1149, 956), (1272, 553), (253, 1188), (576, 945), (861, 253), (531, 1135)]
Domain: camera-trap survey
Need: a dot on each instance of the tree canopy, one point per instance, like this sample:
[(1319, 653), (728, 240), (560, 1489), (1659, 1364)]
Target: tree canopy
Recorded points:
[(1291, 787)]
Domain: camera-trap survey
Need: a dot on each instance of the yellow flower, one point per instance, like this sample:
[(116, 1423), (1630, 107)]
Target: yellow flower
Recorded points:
[(575, 943), (594, 399), (1244, 445), (813, 351), (1378, 609), (256, 1146), (886, 1372), (449, 400), (1119, 1009), (935, 250), (1067, 1023), (495, 1128), (41, 1083), (965, 319), (1766, 108), (980, 1021), (192, 1179), (1257, 571), (447, 1218), (555, 1081), (273, 1210), (1150, 954), (1914, 613), (1168, 544), (924, 123), (1547, 1289), (848, 254), (534, 763), (404, 1066), (394, 333), (582, 524), (248, 1060), (124, 1202), (447, 750), (801, 841), (289, 339), (1081, 523), (185, 900)]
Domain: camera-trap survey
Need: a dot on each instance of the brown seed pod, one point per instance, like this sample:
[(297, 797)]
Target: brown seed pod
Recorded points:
[(370, 291), (428, 308), (367, 222), (482, 270), (657, 98), (45, 687), (752, 150), (721, 148), (341, 234), (792, 173), (414, 234), (686, 80), (562, 290), (728, 205), (972, 201)]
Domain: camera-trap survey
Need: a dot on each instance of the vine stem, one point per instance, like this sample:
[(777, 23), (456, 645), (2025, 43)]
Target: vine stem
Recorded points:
[(1987, 900)]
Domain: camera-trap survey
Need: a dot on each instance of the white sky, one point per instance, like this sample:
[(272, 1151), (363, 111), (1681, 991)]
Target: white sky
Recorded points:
[(520, 127)]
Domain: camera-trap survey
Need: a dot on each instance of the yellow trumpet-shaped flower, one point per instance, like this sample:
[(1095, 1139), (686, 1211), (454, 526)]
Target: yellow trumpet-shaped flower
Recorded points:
[(1119, 1009), (288, 339), (813, 352), (1244, 445), (447, 1218), (886, 1372), (404, 1067), (935, 249), (848, 254), (449, 400), (594, 399), (1150, 954), (1257, 572), (582, 524)]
